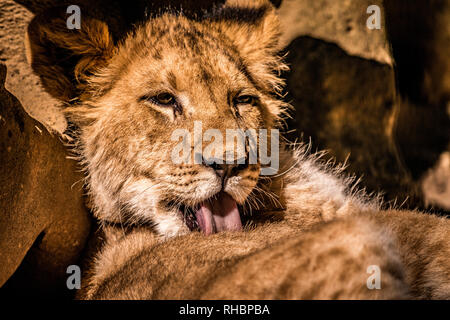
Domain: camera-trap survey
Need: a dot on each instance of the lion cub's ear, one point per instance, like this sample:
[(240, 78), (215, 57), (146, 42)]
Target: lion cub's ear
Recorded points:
[(64, 58), (253, 27)]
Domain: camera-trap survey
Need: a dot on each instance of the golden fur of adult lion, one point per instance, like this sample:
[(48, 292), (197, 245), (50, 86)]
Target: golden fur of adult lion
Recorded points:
[(277, 261), (310, 233)]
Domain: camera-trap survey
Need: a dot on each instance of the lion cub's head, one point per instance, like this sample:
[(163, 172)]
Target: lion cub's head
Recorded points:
[(216, 72)]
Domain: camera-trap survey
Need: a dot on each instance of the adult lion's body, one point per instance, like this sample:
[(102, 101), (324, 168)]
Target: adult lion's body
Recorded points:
[(277, 261), (309, 234)]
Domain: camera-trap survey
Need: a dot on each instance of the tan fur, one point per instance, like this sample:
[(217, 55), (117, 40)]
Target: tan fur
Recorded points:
[(275, 261), (310, 232)]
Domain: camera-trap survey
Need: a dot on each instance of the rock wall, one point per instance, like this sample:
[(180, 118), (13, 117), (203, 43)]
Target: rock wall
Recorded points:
[(43, 222)]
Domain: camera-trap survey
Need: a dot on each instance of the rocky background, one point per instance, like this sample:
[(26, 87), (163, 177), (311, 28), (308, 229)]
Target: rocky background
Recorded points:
[(377, 99)]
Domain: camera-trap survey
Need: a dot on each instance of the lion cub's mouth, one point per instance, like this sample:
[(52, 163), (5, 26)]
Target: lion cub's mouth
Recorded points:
[(216, 214)]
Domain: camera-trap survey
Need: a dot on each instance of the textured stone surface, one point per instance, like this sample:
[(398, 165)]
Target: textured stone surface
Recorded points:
[(350, 107), (42, 216), (436, 183), (342, 22), (20, 80), (347, 106)]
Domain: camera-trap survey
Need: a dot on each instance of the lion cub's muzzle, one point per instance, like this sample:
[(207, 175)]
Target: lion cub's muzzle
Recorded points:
[(220, 212)]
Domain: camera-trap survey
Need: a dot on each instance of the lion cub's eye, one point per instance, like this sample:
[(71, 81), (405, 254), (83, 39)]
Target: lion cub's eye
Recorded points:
[(245, 99), (165, 99), (162, 99)]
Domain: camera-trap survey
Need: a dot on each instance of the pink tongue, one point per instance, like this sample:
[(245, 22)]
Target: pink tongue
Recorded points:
[(220, 214)]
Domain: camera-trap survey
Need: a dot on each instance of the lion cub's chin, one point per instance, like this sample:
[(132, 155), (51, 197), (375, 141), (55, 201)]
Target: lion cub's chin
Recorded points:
[(216, 214)]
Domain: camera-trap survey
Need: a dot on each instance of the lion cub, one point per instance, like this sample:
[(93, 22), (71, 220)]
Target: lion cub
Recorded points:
[(308, 233)]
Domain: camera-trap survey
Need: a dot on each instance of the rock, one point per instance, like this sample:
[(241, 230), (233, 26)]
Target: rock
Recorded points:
[(436, 183), (393, 147), (43, 222), (21, 80), (341, 22), (347, 105)]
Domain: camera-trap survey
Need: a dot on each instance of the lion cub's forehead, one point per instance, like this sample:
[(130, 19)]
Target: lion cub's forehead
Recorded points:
[(182, 54)]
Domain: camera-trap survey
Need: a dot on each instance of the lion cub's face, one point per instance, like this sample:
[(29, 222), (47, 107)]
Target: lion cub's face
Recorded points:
[(174, 73)]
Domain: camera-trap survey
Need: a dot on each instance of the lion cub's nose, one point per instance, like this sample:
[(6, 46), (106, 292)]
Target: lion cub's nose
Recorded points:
[(224, 170)]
